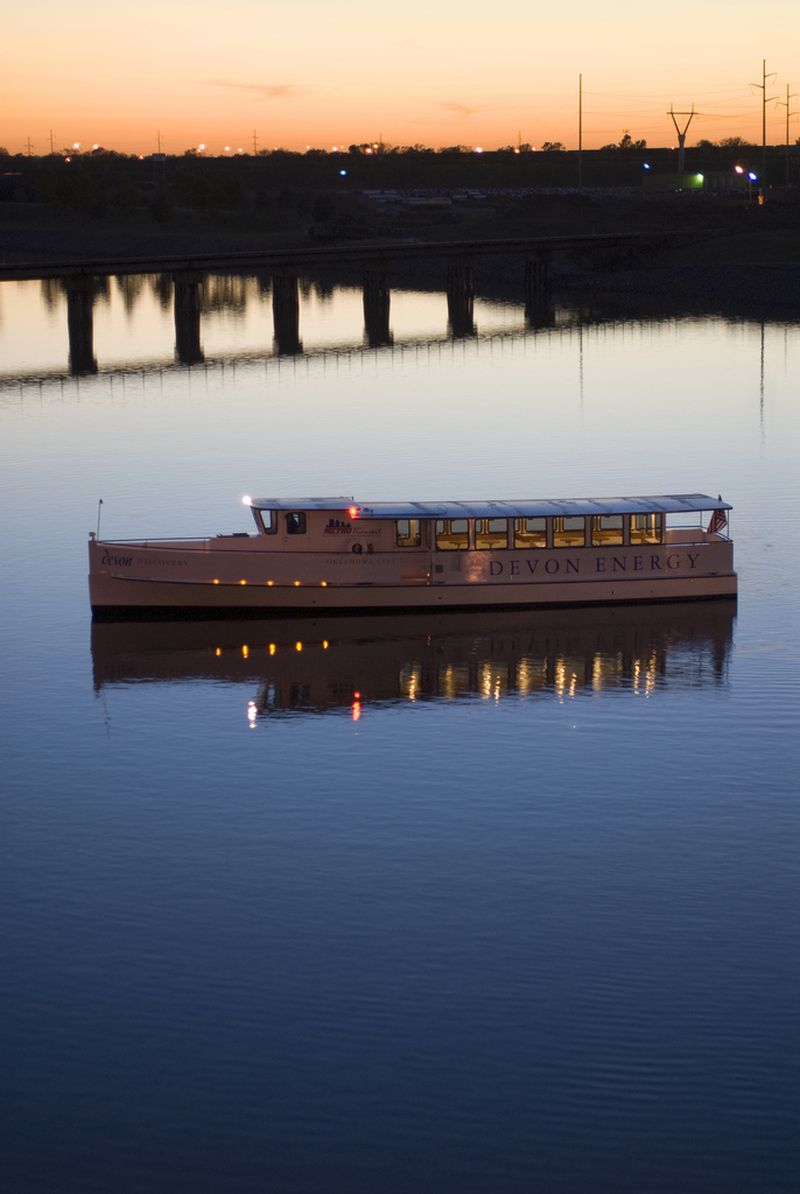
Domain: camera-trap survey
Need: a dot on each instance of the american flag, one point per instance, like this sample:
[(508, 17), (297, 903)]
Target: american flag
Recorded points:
[(717, 523)]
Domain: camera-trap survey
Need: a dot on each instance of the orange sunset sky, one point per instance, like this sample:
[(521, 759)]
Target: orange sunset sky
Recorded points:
[(438, 72)]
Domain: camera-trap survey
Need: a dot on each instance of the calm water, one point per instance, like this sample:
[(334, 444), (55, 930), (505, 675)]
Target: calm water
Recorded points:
[(476, 904)]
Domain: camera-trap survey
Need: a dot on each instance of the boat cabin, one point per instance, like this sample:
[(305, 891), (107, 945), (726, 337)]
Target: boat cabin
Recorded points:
[(342, 524)]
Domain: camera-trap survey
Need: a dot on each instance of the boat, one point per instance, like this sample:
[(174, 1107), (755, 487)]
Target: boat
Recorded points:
[(334, 554)]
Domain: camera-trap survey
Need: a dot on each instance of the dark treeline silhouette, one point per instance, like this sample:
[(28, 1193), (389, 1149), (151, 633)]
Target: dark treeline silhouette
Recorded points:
[(100, 182), (78, 206)]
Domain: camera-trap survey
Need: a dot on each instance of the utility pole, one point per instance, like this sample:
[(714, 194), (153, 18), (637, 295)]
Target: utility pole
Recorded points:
[(255, 144), (786, 104), (681, 133), (52, 142), (29, 146), (762, 87), (580, 132), (158, 140)]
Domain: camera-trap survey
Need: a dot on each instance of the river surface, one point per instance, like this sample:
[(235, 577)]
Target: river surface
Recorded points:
[(483, 904)]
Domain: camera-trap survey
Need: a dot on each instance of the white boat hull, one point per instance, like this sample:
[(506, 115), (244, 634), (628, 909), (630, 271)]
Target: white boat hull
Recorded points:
[(114, 595)]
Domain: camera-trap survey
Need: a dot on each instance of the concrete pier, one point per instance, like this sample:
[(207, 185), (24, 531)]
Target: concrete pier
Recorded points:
[(188, 293), (460, 298), (80, 324), (377, 298), (538, 304), (286, 314)]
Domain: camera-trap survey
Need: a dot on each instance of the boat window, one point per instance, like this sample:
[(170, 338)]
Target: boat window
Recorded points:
[(296, 522), (530, 532), (606, 529), (647, 528), (408, 532), (491, 533), (569, 532), (452, 534), (269, 521)]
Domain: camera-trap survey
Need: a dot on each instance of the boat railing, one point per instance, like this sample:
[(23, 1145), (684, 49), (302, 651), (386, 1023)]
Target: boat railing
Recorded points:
[(169, 539), (694, 536)]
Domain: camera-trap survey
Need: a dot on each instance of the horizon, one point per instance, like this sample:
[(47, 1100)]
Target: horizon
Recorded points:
[(178, 76)]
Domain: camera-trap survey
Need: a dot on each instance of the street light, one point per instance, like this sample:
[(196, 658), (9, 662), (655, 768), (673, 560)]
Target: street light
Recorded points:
[(751, 178)]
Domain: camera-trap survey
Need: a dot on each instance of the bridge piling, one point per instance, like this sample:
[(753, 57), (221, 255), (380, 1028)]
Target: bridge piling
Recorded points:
[(377, 297), (80, 290), (538, 305), (187, 303), (460, 298), (286, 313)]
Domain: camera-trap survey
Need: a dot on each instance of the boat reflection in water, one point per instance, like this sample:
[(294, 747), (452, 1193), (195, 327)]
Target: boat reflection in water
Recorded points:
[(330, 665)]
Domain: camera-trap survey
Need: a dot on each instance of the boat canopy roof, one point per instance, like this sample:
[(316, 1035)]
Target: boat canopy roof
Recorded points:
[(671, 503)]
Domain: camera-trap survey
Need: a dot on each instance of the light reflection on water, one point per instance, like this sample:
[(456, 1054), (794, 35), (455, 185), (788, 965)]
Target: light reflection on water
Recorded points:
[(495, 902), (312, 665)]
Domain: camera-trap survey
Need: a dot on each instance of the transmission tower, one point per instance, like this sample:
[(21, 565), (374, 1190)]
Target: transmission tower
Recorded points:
[(787, 105), (681, 132), (765, 99)]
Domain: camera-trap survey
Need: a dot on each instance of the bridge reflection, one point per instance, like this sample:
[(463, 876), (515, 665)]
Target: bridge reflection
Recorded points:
[(194, 297), (193, 294), (329, 665)]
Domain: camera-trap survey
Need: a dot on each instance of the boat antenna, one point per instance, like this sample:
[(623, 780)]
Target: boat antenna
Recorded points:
[(99, 504)]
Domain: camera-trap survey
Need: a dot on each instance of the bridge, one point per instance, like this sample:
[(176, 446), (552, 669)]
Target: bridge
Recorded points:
[(287, 265)]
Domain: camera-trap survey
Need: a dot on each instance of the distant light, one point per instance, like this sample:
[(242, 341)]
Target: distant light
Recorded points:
[(479, 149), (252, 712), (356, 696), (218, 652), (245, 651), (95, 146), (298, 646), (227, 149), (201, 146), (343, 173), (272, 648), (76, 145), (739, 169), (325, 644), (352, 511), (699, 177), (247, 500), (242, 582), (645, 165), (753, 177)]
